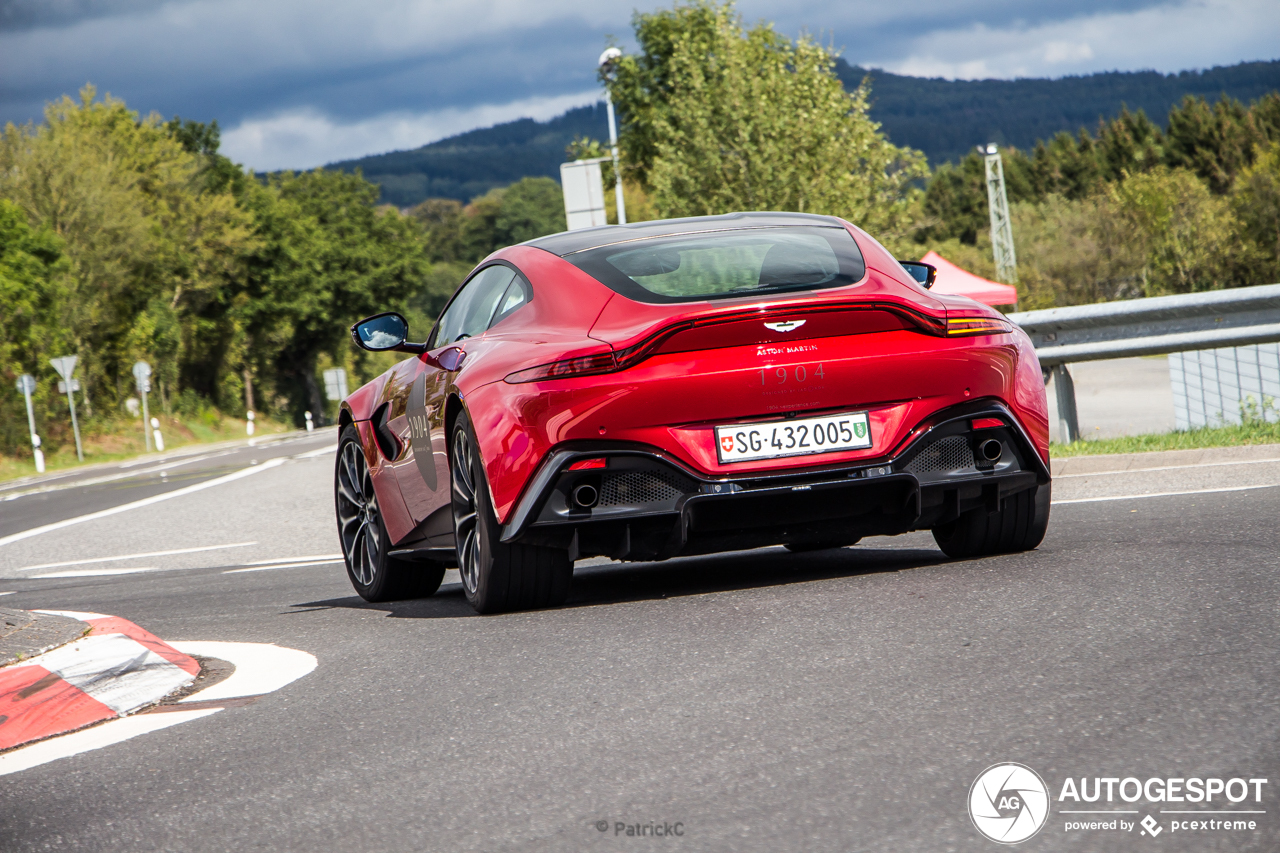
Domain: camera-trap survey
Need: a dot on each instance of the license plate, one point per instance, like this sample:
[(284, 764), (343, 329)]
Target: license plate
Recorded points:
[(743, 442)]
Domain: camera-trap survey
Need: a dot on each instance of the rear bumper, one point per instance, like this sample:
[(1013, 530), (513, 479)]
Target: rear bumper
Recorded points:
[(651, 507)]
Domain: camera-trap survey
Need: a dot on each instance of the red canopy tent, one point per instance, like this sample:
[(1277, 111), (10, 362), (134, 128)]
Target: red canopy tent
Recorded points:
[(958, 282)]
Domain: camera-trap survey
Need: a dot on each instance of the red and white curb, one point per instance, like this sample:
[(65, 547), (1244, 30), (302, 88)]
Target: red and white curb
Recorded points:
[(111, 672), (115, 670)]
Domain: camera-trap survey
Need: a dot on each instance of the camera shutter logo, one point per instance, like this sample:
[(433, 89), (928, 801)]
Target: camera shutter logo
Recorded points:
[(1008, 803)]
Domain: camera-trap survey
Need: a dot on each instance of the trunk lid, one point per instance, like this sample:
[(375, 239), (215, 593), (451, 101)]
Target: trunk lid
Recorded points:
[(878, 304)]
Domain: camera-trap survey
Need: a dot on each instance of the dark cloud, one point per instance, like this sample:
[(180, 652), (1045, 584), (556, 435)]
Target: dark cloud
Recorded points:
[(247, 60), (17, 15)]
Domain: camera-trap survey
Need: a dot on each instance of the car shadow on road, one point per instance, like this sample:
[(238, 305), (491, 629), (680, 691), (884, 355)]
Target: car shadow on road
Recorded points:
[(618, 583)]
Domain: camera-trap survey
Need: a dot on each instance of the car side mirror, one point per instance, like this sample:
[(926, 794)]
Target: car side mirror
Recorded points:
[(925, 274), (381, 332), (384, 332)]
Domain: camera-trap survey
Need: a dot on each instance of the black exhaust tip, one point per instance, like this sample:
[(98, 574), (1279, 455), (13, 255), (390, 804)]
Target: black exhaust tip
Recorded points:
[(587, 495), (991, 449)]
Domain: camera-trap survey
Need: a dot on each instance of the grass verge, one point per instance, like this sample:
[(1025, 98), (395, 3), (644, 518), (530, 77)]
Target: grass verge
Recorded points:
[(113, 441), (1255, 432)]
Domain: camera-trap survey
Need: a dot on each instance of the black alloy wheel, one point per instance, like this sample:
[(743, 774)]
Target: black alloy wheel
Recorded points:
[(366, 546), (496, 576)]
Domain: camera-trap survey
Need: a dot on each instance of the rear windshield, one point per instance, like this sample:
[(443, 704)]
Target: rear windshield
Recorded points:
[(725, 264)]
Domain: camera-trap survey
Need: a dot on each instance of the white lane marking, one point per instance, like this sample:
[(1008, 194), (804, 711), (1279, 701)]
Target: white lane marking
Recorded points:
[(285, 566), (136, 556), (14, 592), (94, 573), (154, 499), (97, 737), (311, 454), (96, 481), (1163, 494), (298, 559), (1168, 468), (260, 667)]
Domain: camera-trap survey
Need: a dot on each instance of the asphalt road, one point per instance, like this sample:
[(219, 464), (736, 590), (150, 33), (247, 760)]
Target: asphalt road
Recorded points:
[(77, 492), (842, 700)]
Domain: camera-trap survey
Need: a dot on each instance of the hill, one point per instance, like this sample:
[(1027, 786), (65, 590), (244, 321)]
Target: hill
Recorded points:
[(942, 118), (472, 163), (946, 118)]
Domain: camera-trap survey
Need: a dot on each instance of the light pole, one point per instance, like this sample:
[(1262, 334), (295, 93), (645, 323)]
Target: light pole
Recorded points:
[(1001, 227), (607, 59)]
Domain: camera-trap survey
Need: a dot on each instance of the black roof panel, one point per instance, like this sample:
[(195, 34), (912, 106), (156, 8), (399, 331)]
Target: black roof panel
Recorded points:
[(568, 242)]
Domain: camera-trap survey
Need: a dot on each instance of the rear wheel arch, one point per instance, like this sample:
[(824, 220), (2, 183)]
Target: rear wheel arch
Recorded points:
[(496, 576), (452, 408)]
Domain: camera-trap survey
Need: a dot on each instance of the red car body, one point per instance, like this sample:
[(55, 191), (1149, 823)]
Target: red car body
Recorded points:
[(583, 385)]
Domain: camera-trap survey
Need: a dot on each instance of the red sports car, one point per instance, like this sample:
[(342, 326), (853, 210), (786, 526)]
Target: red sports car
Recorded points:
[(684, 387)]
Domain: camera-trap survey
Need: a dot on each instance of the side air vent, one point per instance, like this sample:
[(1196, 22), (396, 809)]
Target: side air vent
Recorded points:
[(946, 454), (382, 434)]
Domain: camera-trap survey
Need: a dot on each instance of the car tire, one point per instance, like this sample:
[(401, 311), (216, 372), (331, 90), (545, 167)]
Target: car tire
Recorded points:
[(366, 546), (1019, 525), (497, 577)]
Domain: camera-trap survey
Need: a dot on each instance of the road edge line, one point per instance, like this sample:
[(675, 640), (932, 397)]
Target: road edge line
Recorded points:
[(1163, 494), (154, 499)]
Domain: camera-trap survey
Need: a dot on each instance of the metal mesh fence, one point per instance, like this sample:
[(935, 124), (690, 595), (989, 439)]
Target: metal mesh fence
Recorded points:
[(1225, 386)]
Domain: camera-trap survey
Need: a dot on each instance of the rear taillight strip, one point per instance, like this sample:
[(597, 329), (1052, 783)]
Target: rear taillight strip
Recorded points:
[(634, 354), (959, 327)]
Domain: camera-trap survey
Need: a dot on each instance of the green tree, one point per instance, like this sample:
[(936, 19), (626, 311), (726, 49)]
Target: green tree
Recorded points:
[(441, 219), (32, 302), (1129, 143), (328, 256), (1215, 142), (1074, 252), (1185, 233), (1256, 202), (719, 118), (203, 140), (151, 249), (529, 208)]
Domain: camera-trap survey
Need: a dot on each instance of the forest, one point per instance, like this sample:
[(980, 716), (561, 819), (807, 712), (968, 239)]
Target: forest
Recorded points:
[(126, 237)]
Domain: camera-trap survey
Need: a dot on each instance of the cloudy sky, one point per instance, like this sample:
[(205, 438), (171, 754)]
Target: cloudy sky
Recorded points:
[(299, 83)]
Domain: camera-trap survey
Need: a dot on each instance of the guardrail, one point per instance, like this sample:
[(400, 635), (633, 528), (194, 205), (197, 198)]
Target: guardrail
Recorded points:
[(1151, 326)]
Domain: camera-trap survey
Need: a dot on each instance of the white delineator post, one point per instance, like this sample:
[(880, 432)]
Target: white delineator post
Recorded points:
[(155, 432), (248, 425), (309, 424), (606, 62), (142, 376), (27, 385)]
